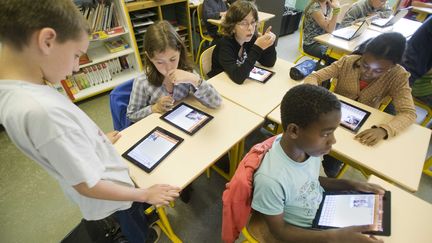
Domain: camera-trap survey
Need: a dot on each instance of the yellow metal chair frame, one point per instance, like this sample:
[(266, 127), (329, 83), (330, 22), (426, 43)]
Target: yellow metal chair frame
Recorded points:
[(164, 223), (248, 236), (427, 166), (425, 107), (204, 37), (300, 46)]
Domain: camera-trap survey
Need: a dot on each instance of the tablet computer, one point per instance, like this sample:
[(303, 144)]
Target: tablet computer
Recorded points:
[(343, 209), (260, 74), (353, 117), (149, 151), (186, 118)]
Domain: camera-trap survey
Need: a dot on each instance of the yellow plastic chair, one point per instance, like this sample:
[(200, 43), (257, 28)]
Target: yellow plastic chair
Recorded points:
[(205, 62), (203, 32), (300, 46), (164, 223)]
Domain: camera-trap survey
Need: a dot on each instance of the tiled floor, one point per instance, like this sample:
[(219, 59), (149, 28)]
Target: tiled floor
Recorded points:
[(34, 209)]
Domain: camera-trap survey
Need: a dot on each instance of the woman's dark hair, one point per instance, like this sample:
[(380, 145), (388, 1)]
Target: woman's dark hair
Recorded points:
[(388, 46)]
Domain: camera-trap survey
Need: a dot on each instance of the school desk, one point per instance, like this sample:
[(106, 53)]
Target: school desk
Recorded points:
[(231, 123), (422, 12), (255, 96), (339, 47), (406, 27), (262, 18), (398, 159), (410, 216)]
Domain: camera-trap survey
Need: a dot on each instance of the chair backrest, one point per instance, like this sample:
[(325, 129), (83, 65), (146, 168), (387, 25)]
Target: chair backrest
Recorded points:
[(206, 61), (119, 101)]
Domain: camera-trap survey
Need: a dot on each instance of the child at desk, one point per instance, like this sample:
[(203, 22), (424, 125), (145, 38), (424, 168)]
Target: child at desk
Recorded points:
[(287, 188), (320, 17), (366, 8), (42, 43), (240, 47), (213, 9), (369, 76), (168, 76)]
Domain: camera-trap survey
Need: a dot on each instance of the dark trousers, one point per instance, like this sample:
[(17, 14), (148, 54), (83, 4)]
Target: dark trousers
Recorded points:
[(133, 222)]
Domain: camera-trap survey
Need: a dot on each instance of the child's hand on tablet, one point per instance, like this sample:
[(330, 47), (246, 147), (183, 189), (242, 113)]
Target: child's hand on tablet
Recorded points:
[(371, 136), (352, 234), (367, 187), (160, 194), (165, 103), (179, 76)]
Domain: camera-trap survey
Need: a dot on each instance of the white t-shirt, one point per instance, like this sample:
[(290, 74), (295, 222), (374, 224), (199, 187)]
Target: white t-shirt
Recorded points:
[(54, 132), (282, 185)]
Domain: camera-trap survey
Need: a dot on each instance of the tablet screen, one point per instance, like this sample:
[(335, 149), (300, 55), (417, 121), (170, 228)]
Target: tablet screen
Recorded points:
[(260, 74), (152, 149), (350, 209), (352, 117), (187, 118)]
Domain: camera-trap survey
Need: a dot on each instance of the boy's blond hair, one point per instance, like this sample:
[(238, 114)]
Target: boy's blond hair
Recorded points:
[(19, 19)]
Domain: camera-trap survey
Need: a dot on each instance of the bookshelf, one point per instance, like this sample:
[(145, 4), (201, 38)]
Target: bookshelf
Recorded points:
[(105, 67), (144, 13)]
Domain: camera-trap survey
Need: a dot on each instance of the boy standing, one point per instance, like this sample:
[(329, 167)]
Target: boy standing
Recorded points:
[(42, 43), (287, 185)]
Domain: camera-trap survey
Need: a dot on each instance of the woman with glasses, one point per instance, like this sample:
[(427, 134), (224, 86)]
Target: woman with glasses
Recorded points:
[(240, 47)]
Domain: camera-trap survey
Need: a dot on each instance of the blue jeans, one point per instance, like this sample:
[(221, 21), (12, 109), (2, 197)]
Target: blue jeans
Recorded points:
[(133, 222)]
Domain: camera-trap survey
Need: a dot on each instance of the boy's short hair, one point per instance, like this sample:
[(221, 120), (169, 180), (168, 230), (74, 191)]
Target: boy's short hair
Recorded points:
[(305, 103), (19, 19)]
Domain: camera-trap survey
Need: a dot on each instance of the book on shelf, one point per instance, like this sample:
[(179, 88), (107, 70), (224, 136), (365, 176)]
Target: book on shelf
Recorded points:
[(140, 23), (116, 45), (142, 14), (102, 15), (84, 59)]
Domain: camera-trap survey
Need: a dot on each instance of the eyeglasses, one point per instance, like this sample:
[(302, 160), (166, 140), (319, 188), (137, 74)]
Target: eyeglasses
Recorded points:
[(246, 25)]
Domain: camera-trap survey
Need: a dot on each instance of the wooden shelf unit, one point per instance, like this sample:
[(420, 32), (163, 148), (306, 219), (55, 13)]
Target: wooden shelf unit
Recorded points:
[(142, 13)]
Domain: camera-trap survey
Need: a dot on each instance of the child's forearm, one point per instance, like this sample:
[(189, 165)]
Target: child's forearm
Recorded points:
[(108, 190)]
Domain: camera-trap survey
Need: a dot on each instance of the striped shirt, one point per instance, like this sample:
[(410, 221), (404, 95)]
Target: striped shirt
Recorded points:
[(393, 83), (144, 95)]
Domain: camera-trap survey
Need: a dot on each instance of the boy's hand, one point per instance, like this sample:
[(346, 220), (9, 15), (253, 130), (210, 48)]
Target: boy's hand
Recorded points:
[(163, 104), (160, 194), (178, 76), (113, 136), (353, 234), (367, 187), (371, 136)]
